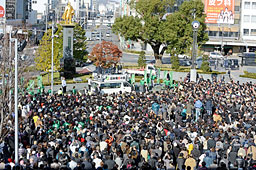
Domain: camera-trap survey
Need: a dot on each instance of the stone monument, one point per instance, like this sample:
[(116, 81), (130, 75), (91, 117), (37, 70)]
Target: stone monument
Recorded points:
[(67, 63)]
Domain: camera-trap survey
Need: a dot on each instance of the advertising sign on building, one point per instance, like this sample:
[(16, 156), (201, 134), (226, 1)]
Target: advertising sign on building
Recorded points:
[(2, 8), (219, 11)]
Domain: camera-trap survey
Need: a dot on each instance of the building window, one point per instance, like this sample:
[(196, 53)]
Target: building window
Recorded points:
[(246, 32), (237, 8), (247, 5), (253, 19), (212, 33), (246, 18), (237, 21), (253, 5), (253, 32)]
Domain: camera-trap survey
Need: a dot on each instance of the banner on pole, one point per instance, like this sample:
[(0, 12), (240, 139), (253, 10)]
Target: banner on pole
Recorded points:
[(145, 77), (150, 78), (31, 85), (165, 75), (171, 77), (39, 81), (133, 78), (158, 76)]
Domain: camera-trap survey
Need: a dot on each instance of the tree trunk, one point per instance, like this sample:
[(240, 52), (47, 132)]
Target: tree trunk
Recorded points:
[(158, 57)]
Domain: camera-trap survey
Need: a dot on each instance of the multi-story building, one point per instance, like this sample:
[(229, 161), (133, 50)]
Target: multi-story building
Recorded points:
[(22, 9), (223, 26), (10, 9), (248, 24)]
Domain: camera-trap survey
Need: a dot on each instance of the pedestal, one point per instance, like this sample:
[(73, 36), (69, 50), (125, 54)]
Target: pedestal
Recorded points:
[(193, 75), (67, 63)]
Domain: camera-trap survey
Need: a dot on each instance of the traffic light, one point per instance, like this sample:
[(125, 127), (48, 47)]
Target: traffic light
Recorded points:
[(22, 45)]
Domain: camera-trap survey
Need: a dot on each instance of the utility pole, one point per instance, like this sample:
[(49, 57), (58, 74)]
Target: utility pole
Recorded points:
[(46, 16), (52, 56), (16, 104)]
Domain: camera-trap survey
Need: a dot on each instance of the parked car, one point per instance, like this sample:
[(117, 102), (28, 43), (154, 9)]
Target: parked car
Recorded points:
[(215, 55), (185, 62), (199, 62), (183, 56)]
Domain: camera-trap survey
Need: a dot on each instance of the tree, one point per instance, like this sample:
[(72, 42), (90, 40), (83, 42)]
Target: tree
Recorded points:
[(175, 62), (43, 57), (7, 72), (180, 23), (151, 27), (105, 54), (80, 44), (205, 64), (142, 59)]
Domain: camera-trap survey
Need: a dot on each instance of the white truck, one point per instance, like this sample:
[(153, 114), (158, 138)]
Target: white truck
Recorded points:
[(148, 68)]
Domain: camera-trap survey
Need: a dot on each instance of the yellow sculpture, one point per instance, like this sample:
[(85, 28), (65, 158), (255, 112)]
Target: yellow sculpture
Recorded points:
[(69, 12)]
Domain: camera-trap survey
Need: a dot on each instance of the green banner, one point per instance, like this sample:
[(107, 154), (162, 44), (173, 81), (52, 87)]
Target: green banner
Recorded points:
[(22, 81), (31, 85), (158, 76), (39, 81), (133, 79), (171, 78), (150, 78), (145, 76), (165, 75)]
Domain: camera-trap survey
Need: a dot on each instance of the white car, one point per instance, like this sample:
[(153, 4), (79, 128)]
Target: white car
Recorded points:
[(183, 56), (215, 55)]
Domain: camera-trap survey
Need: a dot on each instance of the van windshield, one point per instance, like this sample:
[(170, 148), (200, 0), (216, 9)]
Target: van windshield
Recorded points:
[(110, 85)]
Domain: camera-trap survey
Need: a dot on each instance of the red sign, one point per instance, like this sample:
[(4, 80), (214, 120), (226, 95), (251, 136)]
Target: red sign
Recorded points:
[(1, 12)]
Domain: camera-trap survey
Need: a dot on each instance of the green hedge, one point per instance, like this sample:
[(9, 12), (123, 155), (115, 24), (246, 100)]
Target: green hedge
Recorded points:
[(248, 75)]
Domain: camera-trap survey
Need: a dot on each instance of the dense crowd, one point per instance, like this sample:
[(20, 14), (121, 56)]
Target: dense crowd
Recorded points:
[(208, 125)]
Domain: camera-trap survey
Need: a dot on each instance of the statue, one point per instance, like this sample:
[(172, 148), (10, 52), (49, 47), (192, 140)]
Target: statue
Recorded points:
[(69, 12)]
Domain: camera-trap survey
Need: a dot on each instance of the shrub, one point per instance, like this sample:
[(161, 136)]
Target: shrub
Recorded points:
[(205, 64), (175, 62), (142, 59)]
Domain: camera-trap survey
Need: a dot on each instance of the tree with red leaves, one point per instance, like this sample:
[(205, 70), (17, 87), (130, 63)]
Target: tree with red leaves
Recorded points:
[(105, 54)]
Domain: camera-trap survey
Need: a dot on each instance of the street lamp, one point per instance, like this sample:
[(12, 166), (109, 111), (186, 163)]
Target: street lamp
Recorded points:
[(195, 26), (52, 56)]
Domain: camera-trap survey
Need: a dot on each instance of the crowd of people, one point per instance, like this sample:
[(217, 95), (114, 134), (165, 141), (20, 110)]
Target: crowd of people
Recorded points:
[(208, 125)]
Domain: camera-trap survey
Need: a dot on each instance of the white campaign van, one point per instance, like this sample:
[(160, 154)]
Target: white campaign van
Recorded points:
[(111, 84)]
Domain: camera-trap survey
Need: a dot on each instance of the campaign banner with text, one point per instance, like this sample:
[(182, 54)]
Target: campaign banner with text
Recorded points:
[(219, 11)]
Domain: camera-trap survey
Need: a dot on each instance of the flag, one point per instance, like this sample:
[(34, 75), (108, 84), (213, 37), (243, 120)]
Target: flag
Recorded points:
[(165, 75), (39, 81), (31, 84), (145, 76), (133, 79), (158, 76), (171, 78), (150, 78)]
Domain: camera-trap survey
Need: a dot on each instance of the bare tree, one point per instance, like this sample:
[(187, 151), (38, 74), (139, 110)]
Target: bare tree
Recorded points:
[(7, 83)]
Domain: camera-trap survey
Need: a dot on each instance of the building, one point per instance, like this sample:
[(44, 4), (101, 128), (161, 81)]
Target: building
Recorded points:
[(248, 24), (22, 9), (10, 9), (32, 18)]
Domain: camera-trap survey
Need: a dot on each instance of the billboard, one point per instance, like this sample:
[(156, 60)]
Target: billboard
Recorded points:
[(219, 11), (2, 8)]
